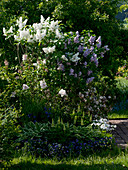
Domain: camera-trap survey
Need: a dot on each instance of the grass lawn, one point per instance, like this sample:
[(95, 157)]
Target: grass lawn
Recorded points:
[(118, 114), (107, 160)]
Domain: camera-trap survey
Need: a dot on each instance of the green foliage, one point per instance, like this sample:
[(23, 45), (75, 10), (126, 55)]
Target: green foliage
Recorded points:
[(9, 130), (58, 132), (122, 89)]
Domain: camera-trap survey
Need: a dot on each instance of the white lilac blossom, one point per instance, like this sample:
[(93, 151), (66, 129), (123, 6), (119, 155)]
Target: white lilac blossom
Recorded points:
[(24, 34), (58, 34), (54, 25), (64, 58), (81, 95), (98, 42), (62, 92), (75, 57), (44, 61), (49, 49), (36, 65), (20, 23), (42, 19), (37, 26), (43, 84), (9, 31), (24, 57), (25, 87)]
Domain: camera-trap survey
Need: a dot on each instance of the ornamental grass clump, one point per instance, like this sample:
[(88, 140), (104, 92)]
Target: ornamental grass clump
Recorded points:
[(55, 68)]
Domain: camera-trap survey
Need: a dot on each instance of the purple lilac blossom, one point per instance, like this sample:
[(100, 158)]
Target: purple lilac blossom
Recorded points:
[(95, 55), (71, 33), (98, 45), (85, 64), (75, 75), (91, 49), (80, 73), (77, 32), (68, 63), (106, 48), (89, 72), (76, 39), (69, 41), (96, 63), (92, 39), (80, 48), (92, 59), (61, 67), (102, 54), (82, 38), (71, 72), (86, 53), (89, 80), (65, 46)]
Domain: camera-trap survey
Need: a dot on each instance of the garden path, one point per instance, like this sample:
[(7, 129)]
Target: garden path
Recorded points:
[(121, 132)]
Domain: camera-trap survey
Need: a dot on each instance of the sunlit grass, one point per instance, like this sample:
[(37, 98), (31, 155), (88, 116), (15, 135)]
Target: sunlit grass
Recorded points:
[(110, 159), (118, 115)]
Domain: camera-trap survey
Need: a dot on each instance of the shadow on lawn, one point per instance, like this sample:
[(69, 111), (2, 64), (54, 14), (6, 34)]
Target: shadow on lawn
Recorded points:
[(63, 166)]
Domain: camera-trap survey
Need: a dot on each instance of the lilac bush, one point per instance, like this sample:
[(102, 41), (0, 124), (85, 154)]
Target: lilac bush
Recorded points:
[(58, 68)]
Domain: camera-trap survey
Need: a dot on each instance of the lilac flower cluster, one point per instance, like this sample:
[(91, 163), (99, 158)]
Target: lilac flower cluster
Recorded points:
[(73, 148), (95, 104)]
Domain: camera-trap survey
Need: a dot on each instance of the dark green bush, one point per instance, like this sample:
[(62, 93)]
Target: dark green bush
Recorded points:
[(9, 130)]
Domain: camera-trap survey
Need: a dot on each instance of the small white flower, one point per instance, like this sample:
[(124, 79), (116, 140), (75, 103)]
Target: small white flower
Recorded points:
[(25, 87), (46, 50), (62, 92), (42, 19), (13, 94), (58, 34), (64, 58), (25, 34), (44, 61), (43, 84), (75, 57), (49, 49), (24, 57)]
